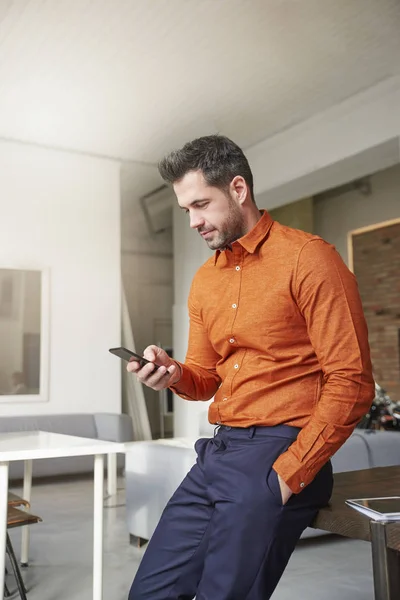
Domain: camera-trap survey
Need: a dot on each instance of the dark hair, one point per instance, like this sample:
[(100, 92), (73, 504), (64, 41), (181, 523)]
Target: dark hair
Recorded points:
[(219, 159)]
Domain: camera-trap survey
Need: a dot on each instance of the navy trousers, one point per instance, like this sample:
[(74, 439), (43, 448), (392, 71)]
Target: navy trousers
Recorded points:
[(225, 534)]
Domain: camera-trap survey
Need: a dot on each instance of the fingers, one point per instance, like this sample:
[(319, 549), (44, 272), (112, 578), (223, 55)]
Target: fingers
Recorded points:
[(151, 353), (286, 492), (157, 379), (133, 366)]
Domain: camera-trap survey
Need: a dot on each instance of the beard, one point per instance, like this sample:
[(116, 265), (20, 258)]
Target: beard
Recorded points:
[(231, 230)]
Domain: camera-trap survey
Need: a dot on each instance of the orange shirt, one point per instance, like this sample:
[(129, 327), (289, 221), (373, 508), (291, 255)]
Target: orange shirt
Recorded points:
[(278, 336)]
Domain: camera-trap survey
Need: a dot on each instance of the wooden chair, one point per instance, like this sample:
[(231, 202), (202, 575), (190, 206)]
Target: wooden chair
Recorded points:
[(17, 518), (14, 500)]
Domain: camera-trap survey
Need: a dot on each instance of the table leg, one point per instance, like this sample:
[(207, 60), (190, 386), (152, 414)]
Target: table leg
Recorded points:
[(111, 474), (385, 564), (3, 521), (98, 527), (26, 494)]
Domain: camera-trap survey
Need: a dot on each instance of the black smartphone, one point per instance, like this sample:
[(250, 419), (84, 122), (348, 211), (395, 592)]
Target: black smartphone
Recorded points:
[(126, 354)]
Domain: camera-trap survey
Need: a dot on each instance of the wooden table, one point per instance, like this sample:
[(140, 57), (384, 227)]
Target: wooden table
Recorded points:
[(339, 518)]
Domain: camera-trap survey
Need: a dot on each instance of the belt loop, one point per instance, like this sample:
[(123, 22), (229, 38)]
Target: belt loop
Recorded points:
[(252, 431), (216, 429)]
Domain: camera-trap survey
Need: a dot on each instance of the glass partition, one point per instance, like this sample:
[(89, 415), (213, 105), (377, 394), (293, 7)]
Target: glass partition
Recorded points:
[(23, 335)]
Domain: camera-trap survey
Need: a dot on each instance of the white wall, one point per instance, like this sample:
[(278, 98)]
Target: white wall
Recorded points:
[(61, 211), (335, 217)]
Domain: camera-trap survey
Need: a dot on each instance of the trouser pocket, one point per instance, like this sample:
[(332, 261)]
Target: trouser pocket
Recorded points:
[(273, 486), (279, 447)]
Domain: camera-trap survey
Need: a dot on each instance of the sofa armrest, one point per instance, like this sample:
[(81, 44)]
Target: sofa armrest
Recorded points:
[(114, 427)]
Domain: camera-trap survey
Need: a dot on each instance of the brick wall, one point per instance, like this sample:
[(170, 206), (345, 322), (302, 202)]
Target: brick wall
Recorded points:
[(377, 268)]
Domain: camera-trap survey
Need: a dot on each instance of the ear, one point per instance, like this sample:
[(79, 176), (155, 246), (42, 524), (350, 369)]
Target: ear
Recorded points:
[(238, 188)]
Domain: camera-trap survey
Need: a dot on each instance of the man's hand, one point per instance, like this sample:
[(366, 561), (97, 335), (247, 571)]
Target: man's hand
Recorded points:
[(286, 492), (167, 373)]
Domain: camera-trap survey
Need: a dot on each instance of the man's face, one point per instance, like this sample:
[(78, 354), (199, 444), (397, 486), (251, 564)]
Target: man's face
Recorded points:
[(214, 213)]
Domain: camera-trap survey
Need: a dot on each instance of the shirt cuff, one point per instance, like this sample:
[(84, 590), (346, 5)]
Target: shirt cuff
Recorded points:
[(184, 383), (293, 473)]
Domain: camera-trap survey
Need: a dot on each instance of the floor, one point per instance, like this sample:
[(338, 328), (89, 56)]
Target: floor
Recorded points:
[(60, 568)]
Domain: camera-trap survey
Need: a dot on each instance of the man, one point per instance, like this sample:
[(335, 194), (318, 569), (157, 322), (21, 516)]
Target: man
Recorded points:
[(278, 338)]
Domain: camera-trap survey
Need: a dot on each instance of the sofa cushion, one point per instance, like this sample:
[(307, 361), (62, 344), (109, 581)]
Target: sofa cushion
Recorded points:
[(114, 427), (81, 425)]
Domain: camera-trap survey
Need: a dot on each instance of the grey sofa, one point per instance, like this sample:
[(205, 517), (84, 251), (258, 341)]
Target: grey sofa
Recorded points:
[(103, 426), (154, 469)]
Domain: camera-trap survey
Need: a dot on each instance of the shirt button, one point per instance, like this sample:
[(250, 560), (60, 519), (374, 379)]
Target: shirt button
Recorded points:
[(224, 399), (232, 341), (234, 305), (236, 367), (302, 484), (237, 268)]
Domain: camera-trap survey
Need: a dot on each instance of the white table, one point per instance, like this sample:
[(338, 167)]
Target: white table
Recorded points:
[(29, 446)]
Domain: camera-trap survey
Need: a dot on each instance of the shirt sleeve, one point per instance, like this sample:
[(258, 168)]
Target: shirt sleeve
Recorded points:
[(199, 379), (327, 295)]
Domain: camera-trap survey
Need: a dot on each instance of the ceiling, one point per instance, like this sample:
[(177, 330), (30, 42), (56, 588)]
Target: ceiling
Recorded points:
[(133, 78)]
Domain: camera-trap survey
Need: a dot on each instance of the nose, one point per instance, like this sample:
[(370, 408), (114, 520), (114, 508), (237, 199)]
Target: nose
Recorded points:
[(196, 221)]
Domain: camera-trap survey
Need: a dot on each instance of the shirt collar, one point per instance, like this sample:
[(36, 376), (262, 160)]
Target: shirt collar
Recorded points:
[(254, 237)]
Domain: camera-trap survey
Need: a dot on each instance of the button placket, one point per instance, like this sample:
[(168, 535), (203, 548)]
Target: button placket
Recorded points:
[(236, 286)]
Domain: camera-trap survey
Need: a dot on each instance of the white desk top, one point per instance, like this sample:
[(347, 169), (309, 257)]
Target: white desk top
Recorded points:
[(24, 445)]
